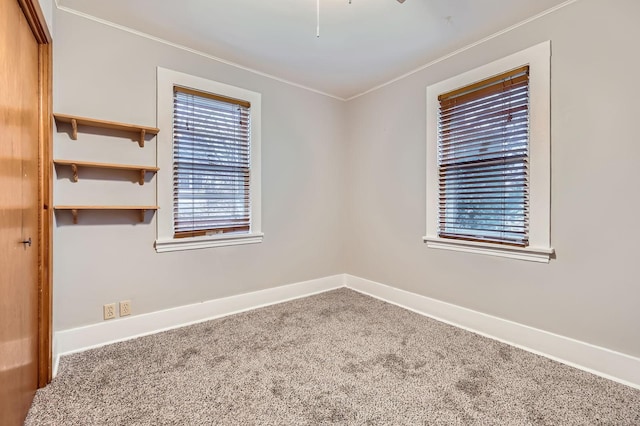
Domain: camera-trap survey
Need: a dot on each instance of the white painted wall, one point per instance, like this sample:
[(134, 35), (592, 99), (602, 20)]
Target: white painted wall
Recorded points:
[(107, 73), (47, 11), (591, 291)]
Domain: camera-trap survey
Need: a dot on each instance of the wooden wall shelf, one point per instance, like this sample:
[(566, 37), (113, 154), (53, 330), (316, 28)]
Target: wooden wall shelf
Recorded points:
[(139, 131), (75, 121), (75, 164), (75, 209)]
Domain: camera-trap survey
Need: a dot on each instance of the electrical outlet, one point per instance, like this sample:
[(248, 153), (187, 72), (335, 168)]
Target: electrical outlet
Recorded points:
[(125, 308), (109, 311)]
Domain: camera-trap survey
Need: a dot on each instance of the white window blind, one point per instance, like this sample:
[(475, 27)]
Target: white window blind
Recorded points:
[(211, 164), (483, 154)]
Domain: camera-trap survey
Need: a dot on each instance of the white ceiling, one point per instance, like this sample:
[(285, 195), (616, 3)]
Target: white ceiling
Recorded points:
[(361, 45)]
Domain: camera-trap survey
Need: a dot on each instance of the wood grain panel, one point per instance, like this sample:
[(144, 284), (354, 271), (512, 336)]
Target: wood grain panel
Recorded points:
[(19, 212)]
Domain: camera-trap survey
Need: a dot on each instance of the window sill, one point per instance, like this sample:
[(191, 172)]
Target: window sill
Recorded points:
[(194, 243), (532, 254)]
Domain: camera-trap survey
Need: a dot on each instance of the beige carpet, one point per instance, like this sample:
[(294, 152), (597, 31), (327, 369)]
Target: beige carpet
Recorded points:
[(338, 357)]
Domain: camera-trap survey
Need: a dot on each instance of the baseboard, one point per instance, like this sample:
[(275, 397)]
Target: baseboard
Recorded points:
[(55, 358), (603, 362), (100, 334)]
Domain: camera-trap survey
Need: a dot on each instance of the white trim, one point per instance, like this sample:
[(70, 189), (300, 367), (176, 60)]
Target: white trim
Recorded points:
[(55, 356), (167, 245), (532, 254), (465, 48), (104, 333), (166, 79), (594, 359), (538, 58)]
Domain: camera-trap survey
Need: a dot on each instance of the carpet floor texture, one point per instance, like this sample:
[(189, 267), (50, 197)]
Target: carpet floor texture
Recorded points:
[(338, 357)]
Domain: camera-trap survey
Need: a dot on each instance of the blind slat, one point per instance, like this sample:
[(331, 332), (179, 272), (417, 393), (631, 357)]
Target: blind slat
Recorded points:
[(487, 135), (496, 126), (512, 115), (503, 105), (508, 95), (515, 99), (478, 143), (495, 84)]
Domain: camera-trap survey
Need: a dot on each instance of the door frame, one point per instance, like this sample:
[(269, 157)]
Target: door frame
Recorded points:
[(35, 18)]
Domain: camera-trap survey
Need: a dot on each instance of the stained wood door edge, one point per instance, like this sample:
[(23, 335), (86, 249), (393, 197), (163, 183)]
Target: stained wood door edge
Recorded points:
[(45, 287)]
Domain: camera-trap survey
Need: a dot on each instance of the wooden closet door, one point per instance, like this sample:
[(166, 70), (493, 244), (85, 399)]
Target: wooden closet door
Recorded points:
[(19, 133)]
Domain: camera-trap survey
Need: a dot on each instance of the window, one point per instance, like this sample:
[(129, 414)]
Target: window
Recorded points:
[(208, 186), (488, 178), (211, 170), (483, 150)]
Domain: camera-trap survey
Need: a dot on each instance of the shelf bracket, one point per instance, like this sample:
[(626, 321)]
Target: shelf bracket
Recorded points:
[(142, 213), (74, 169), (74, 128), (142, 135), (142, 175), (74, 213)]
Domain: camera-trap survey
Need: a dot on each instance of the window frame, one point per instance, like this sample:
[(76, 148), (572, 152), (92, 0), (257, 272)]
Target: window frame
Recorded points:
[(538, 58), (165, 240)]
